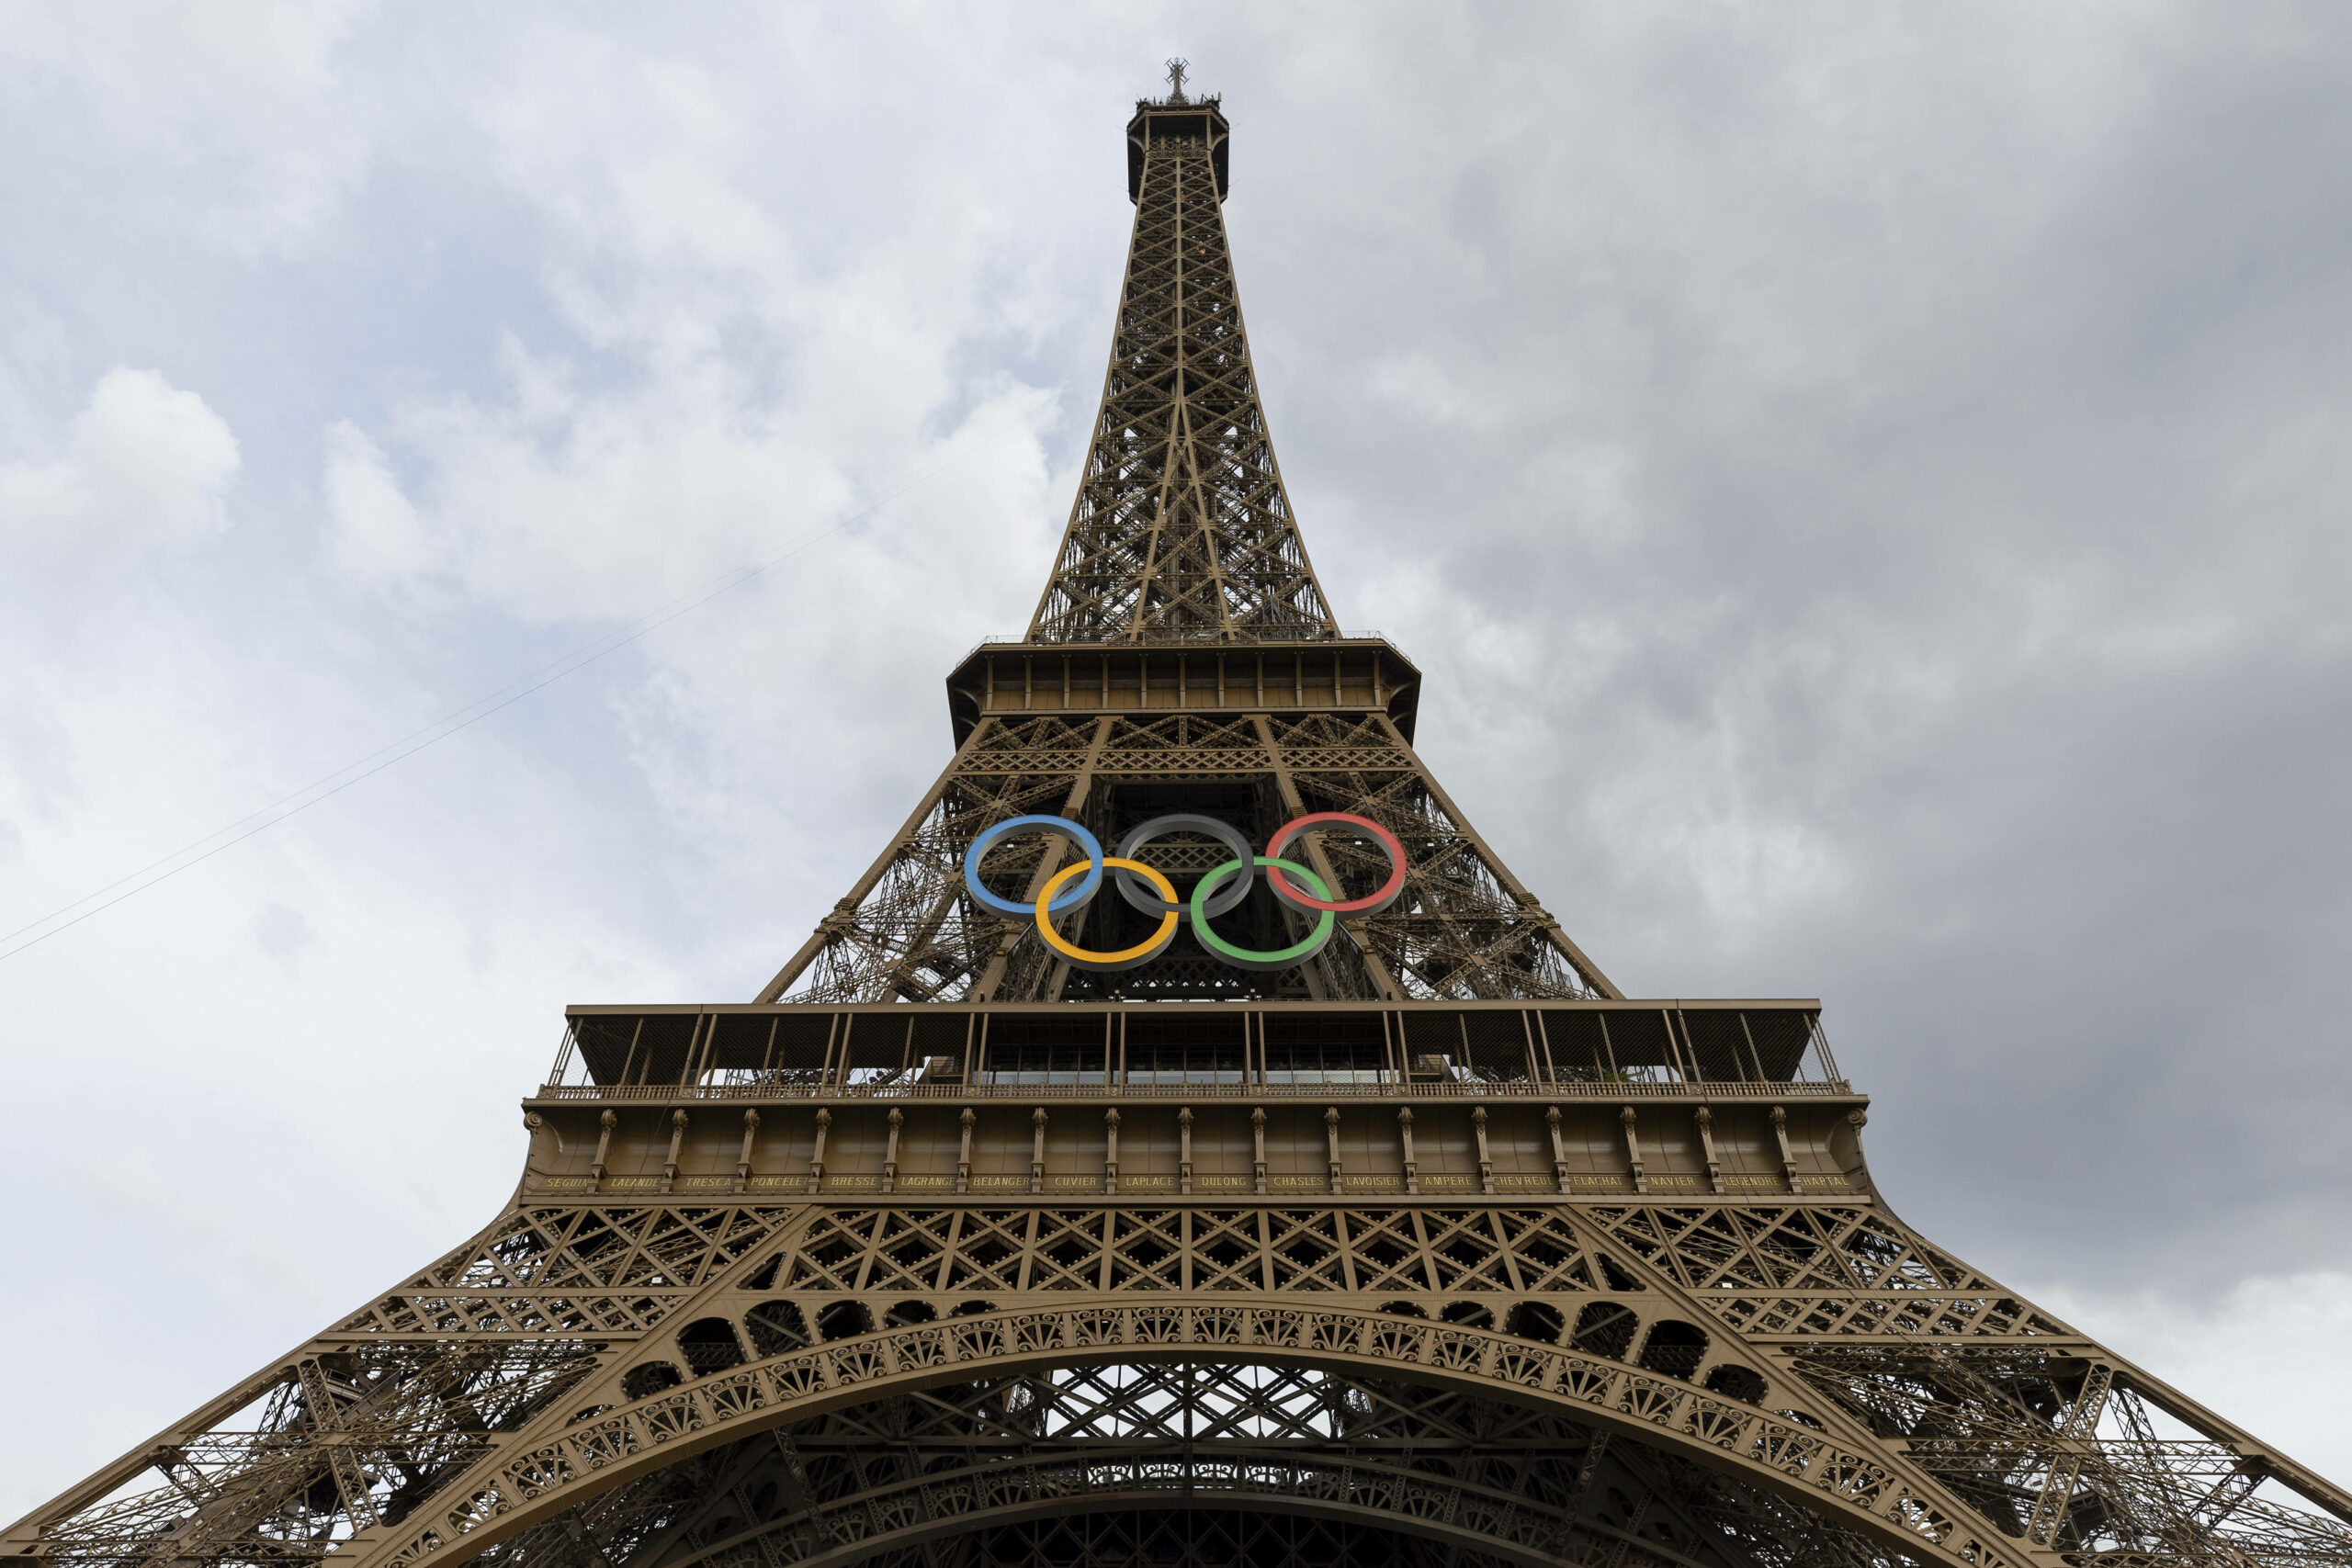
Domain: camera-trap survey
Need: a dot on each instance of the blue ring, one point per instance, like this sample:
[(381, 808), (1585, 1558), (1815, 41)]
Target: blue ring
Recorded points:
[(1061, 827)]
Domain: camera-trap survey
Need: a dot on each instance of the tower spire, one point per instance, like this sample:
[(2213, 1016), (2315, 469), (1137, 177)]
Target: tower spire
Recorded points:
[(1181, 530)]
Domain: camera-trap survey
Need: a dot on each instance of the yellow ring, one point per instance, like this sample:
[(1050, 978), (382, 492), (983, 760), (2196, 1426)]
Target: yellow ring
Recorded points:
[(1166, 889)]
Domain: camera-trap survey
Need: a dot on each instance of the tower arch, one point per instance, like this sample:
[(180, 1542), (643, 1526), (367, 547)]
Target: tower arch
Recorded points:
[(584, 1446)]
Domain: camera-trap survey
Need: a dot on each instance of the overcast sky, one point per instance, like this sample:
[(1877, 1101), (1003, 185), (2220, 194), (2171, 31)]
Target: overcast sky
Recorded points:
[(1867, 483)]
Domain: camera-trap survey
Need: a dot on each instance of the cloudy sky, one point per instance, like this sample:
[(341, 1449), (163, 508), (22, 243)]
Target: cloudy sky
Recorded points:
[(1868, 484)]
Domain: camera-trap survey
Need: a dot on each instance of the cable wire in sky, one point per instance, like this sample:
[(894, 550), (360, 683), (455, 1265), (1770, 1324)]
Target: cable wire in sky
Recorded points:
[(331, 785)]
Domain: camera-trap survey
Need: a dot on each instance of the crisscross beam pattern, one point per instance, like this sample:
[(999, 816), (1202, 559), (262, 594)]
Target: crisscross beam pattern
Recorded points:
[(1181, 530)]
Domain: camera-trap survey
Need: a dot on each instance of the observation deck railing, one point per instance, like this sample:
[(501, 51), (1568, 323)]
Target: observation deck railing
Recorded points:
[(1206, 638), (1617, 1049), (1516, 1088)]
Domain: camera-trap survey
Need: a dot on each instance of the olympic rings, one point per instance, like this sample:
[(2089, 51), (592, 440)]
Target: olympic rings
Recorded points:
[(1259, 958), (1224, 832), (1143, 951), (1150, 890), (1346, 822), (1060, 827)]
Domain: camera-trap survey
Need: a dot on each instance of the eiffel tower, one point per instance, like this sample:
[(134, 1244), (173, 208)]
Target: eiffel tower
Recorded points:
[(1393, 1235)]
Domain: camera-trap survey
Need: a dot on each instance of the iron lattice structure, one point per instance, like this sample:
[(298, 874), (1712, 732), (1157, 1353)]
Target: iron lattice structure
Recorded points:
[(1435, 1250), (1467, 927), (1181, 530)]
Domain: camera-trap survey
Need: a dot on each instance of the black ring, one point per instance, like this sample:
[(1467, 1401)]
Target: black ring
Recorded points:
[(1136, 891)]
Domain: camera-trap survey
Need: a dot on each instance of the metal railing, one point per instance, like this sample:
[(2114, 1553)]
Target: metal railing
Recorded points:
[(1514, 1089), (1208, 639)]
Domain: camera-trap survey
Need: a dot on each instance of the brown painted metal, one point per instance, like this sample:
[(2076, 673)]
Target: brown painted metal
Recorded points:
[(1181, 531), (1438, 1250)]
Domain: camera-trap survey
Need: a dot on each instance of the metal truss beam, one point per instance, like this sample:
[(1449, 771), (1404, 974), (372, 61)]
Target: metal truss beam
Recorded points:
[(1466, 927), (1181, 530), (921, 1360)]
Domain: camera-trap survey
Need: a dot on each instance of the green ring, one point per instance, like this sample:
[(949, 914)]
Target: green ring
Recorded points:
[(1259, 958)]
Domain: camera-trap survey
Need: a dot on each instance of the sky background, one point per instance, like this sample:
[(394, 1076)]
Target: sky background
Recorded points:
[(1868, 485)]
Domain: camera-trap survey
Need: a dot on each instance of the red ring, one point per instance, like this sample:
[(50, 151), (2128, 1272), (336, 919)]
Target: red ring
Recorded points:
[(1382, 895)]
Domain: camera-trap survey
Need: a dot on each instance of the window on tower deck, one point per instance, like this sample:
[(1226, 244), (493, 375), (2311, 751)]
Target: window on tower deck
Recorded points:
[(1349, 1048), (1186, 1061), (1325, 1061), (1044, 1062)]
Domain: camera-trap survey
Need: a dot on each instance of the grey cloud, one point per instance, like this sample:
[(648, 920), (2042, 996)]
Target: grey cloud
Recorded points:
[(1984, 439)]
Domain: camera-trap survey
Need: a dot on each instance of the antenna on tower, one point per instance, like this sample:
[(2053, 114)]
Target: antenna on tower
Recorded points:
[(1176, 69)]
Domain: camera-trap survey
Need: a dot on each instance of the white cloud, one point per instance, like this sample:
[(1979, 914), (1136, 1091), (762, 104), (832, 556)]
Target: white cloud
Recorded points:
[(562, 504), (242, 111), (375, 533), (146, 466)]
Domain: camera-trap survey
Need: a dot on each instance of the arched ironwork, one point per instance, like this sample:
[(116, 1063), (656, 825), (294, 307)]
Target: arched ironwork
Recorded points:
[(584, 1445)]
